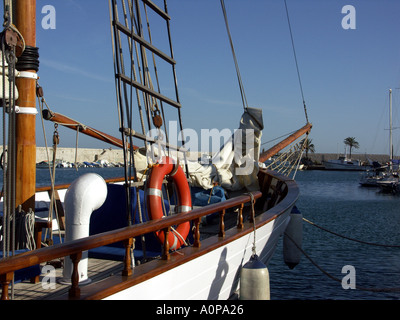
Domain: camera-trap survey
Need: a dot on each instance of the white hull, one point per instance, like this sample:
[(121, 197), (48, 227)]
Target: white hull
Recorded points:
[(212, 276), (343, 166)]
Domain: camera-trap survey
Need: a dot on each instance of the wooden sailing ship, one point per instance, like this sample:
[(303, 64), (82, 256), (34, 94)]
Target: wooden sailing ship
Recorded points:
[(207, 262)]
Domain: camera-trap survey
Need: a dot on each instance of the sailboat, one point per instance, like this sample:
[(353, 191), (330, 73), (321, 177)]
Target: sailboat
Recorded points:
[(387, 178), (164, 240)]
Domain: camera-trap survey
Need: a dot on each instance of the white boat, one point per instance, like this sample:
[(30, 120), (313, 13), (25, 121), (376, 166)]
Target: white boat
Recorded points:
[(191, 258), (371, 178), (387, 177), (344, 163), (389, 183)]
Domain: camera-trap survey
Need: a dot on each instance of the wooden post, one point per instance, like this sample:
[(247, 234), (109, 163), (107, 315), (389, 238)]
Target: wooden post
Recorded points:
[(240, 217), (5, 281), (196, 232), (75, 291), (165, 255), (221, 224), (128, 260), (25, 123)]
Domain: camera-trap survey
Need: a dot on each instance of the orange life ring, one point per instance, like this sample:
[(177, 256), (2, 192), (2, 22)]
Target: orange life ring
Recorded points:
[(177, 237)]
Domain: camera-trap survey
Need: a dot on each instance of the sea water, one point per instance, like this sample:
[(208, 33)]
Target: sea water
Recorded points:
[(335, 201)]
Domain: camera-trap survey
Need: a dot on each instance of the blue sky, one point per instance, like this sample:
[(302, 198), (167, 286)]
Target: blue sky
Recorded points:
[(346, 74)]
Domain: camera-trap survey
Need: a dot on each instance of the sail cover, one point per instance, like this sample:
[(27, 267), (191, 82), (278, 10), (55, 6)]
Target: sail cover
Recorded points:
[(235, 166)]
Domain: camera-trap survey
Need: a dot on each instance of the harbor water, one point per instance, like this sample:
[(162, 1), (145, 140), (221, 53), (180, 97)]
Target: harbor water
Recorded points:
[(335, 201)]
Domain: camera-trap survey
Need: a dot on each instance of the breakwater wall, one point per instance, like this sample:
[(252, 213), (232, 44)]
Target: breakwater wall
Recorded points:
[(317, 158), (116, 155), (78, 155), (81, 154)]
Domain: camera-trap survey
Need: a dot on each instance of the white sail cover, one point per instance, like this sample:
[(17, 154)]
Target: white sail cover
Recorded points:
[(234, 167)]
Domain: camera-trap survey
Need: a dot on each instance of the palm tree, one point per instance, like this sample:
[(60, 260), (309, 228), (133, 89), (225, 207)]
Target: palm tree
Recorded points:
[(308, 146), (352, 143)]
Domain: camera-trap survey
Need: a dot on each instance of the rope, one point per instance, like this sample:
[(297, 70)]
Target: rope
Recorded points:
[(8, 55), (337, 279), (51, 164), (351, 239), (253, 217), (289, 160), (297, 65), (244, 100)]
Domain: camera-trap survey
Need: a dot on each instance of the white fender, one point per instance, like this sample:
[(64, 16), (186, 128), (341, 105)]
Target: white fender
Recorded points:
[(293, 233), (254, 280), (85, 194)]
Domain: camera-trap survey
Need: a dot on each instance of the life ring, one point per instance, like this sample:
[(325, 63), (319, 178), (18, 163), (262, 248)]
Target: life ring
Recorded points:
[(177, 237)]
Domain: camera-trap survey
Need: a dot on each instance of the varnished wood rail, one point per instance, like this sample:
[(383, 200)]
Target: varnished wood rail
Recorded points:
[(75, 248), (279, 194)]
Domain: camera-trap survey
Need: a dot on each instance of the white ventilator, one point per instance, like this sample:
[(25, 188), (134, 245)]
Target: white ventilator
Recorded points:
[(86, 194)]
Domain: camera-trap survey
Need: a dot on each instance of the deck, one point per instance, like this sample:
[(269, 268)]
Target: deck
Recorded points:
[(98, 269)]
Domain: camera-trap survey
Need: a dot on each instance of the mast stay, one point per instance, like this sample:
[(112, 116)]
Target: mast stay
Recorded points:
[(264, 156)]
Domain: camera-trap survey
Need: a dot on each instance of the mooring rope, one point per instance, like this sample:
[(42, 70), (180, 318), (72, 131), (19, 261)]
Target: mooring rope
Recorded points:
[(337, 279), (351, 239)]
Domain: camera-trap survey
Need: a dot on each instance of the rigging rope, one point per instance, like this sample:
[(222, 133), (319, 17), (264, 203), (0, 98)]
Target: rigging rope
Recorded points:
[(244, 99), (51, 164), (290, 159), (297, 65)]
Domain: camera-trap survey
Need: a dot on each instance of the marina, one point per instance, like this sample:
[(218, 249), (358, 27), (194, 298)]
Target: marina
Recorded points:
[(368, 216), (159, 219)]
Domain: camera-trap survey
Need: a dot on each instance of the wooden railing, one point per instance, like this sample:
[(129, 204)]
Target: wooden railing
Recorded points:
[(276, 188), (75, 248)]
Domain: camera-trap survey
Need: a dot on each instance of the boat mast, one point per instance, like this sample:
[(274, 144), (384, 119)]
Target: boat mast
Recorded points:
[(25, 21), (390, 128), (284, 143)]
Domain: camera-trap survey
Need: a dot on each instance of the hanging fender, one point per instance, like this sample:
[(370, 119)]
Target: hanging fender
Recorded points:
[(177, 237)]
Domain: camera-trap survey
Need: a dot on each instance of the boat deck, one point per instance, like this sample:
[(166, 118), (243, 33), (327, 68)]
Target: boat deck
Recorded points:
[(98, 269)]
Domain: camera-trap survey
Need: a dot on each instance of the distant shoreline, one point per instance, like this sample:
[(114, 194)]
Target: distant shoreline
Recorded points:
[(116, 155)]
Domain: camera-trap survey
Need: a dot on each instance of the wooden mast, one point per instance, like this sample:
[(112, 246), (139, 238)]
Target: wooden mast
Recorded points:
[(25, 21), (77, 126), (284, 143)]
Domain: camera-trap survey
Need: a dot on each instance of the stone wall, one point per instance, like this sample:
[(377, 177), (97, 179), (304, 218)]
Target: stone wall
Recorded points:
[(116, 155), (319, 157), (82, 154)]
